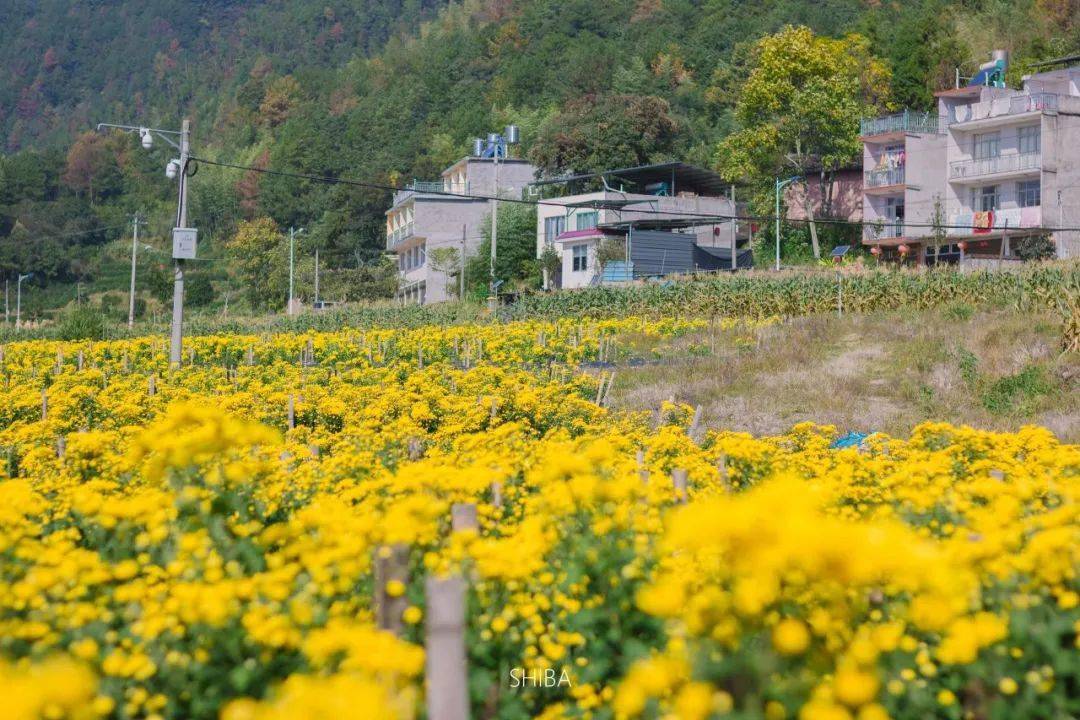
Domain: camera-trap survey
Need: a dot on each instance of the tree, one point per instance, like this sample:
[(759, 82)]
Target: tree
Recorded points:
[(603, 132), (515, 262), (799, 109), (260, 253), (446, 260), (91, 166)]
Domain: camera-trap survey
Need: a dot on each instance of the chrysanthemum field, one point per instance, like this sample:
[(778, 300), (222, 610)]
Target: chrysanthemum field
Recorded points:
[(213, 541)]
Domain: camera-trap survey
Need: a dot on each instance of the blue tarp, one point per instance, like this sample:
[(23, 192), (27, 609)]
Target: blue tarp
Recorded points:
[(852, 439)]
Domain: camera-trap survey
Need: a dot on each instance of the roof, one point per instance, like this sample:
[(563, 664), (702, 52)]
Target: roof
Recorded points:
[(966, 91), (587, 234), (605, 203), (665, 223), (679, 175)]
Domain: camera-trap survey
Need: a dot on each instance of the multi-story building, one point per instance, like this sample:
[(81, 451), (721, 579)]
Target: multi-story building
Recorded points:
[(664, 196), (448, 212), (991, 167)]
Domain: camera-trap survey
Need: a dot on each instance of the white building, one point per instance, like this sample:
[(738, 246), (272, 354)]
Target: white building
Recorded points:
[(670, 194), (444, 213), (991, 167)]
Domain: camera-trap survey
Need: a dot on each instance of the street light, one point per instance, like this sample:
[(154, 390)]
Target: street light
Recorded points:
[(497, 145), (183, 243), (18, 299), (779, 186)]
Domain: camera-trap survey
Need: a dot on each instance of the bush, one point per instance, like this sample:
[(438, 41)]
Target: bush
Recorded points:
[(82, 323), (198, 290)]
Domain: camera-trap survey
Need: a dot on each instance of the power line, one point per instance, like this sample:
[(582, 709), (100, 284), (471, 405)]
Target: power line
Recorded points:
[(705, 218)]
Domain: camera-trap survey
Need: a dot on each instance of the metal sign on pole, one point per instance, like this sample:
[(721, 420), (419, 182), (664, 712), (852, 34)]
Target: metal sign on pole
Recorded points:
[(184, 243)]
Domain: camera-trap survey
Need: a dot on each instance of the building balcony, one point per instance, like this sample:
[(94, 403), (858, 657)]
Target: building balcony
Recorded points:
[(1002, 110), (970, 224), (419, 187), (400, 235), (883, 178), (1015, 164), (888, 232), (899, 125)]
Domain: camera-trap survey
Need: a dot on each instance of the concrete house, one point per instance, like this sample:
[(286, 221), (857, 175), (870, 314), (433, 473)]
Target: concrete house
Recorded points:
[(665, 196), (992, 166), (445, 213)]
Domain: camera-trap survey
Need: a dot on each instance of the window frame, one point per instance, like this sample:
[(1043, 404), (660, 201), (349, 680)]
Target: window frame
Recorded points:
[(593, 215), (1033, 191), (580, 253), (557, 221), (981, 143), (1030, 135)]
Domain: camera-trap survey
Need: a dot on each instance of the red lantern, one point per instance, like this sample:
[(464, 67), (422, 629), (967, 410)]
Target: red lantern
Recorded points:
[(875, 251), (962, 245), (904, 249)]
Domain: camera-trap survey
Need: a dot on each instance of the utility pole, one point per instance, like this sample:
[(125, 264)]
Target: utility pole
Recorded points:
[(734, 232), (293, 232), (134, 250), (493, 301), (316, 277), (461, 275), (176, 344), (7, 313)]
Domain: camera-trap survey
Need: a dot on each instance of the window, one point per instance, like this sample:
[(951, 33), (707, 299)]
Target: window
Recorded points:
[(985, 198), (580, 258), (1029, 139), (987, 145), (588, 220), (553, 228), (1029, 193)]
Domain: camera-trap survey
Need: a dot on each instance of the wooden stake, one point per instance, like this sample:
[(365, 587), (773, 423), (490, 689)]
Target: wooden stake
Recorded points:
[(61, 446), (463, 517), (415, 448), (151, 389), (44, 405), (391, 563), (721, 466), (446, 675), (79, 360), (496, 494), (250, 355), (678, 479), (292, 413), (607, 390)]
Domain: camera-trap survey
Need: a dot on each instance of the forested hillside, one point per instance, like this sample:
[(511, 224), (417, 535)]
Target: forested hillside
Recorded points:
[(387, 91)]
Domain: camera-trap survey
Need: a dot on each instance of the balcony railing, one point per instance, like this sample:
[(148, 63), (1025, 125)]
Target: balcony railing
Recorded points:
[(398, 236), (1003, 107), (885, 177), (980, 167), (885, 230), (429, 186), (905, 122)]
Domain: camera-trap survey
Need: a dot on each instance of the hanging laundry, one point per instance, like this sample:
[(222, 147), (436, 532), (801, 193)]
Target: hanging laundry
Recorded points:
[(1031, 216), (983, 222)]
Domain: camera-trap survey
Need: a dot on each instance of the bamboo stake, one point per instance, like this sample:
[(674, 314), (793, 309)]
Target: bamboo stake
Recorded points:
[(446, 675)]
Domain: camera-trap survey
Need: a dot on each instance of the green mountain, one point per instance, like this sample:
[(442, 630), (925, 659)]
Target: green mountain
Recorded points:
[(383, 92)]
